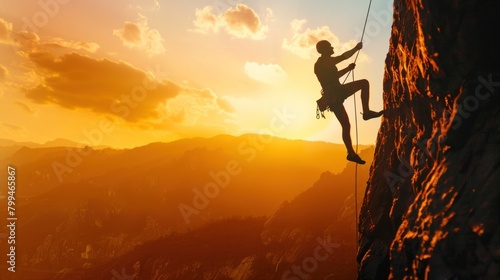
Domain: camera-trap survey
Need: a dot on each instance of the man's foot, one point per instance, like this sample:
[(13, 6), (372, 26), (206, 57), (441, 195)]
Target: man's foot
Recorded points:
[(372, 114), (355, 158)]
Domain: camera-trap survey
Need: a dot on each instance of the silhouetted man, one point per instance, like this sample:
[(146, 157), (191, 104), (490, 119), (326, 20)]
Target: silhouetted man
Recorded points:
[(335, 93)]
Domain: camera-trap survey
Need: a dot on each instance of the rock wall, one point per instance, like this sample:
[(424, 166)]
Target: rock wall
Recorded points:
[(431, 207)]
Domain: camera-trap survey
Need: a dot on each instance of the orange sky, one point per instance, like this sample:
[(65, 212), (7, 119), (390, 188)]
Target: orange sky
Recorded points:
[(127, 73)]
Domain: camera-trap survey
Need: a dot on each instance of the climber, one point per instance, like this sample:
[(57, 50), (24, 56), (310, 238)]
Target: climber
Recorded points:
[(335, 93)]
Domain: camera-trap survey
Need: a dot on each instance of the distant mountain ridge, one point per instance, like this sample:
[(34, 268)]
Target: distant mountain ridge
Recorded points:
[(9, 147), (58, 142), (110, 201), (309, 237)]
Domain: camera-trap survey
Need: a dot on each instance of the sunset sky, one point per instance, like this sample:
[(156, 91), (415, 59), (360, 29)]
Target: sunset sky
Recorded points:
[(127, 73)]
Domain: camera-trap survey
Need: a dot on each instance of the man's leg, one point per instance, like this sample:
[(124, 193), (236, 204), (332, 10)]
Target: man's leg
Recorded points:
[(343, 118), (364, 86)]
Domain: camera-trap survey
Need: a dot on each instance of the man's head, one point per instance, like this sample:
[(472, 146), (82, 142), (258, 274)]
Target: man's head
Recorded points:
[(324, 47)]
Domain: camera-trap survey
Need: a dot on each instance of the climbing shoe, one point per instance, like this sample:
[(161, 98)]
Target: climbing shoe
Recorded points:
[(355, 158), (372, 114)]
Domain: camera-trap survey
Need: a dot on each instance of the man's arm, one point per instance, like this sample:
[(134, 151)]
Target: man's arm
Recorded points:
[(351, 52), (347, 69)]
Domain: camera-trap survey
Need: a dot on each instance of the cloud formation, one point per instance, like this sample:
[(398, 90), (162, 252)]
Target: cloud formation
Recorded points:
[(3, 73), (303, 42), (266, 73), (138, 35), (26, 41), (240, 22), (25, 107), (197, 107), (56, 72), (74, 45), (76, 81), (12, 129), (5, 30)]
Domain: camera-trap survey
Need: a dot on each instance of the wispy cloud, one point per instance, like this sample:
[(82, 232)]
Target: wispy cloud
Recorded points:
[(75, 45), (25, 107), (5, 30), (12, 129), (27, 42), (156, 5), (3, 73)]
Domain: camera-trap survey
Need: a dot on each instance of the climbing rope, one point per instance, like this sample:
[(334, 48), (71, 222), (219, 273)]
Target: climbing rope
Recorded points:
[(356, 121)]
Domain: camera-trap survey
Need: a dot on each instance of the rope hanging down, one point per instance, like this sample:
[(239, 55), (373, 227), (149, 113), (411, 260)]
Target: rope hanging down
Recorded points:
[(356, 121)]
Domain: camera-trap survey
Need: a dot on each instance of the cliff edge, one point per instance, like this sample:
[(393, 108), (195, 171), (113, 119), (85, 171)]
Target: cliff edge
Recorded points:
[(431, 207)]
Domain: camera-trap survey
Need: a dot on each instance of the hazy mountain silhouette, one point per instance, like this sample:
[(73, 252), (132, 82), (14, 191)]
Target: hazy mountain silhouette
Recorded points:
[(9, 147), (256, 248), (59, 142), (114, 200)]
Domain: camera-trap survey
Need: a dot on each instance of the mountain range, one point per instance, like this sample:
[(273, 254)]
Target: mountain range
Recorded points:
[(253, 203)]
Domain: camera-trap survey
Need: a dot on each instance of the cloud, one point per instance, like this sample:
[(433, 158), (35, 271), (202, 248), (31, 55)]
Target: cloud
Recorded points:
[(78, 45), (153, 6), (3, 73), (239, 22), (25, 107), (266, 73), (206, 21), (75, 81), (303, 42), (270, 15), (138, 35), (103, 86), (56, 73), (12, 129), (5, 30), (225, 105), (26, 41), (197, 106), (156, 5)]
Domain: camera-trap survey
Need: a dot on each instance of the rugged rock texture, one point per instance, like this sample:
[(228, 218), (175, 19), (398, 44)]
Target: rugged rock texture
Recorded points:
[(431, 208)]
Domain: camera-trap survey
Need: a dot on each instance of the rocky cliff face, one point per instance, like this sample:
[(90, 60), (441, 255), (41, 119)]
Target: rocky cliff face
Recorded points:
[(431, 208)]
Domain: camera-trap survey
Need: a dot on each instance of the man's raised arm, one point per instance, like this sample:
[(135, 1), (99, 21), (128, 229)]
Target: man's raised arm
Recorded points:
[(351, 52)]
